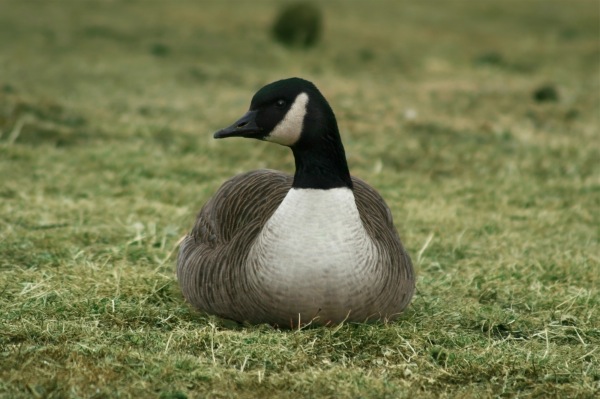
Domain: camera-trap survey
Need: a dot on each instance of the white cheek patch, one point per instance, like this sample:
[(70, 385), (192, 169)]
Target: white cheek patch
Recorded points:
[(288, 131)]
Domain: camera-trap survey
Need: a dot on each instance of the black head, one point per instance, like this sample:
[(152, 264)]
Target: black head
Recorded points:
[(292, 112), (283, 112)]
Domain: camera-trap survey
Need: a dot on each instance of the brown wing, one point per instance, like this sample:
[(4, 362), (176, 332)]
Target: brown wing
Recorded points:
[(378, 221), (214, 252)]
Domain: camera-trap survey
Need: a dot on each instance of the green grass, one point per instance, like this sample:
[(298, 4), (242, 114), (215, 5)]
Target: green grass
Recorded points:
[(106, 155)]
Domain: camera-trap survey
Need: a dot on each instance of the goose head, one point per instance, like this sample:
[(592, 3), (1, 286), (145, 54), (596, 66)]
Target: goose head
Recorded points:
[(293, 113)]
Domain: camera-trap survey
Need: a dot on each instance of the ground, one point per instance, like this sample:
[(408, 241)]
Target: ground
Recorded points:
[(478, 122)]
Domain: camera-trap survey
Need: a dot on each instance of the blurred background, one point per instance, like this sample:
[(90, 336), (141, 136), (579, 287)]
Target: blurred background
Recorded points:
[(187, 64)]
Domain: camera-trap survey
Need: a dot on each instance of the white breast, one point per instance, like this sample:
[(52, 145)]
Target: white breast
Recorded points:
[(314, 251)]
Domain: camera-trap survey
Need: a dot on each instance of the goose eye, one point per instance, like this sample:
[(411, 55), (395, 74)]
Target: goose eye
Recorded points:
[(280, 103)]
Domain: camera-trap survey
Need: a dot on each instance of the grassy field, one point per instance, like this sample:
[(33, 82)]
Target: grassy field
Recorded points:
[(107, 110)]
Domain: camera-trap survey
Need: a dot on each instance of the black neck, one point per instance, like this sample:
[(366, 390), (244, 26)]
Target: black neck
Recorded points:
[(322, 166)]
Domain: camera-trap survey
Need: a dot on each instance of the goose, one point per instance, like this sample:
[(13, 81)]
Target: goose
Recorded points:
[(318, 247)]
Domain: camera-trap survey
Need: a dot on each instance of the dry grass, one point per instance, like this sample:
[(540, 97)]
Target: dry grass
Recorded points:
[(106, 110)]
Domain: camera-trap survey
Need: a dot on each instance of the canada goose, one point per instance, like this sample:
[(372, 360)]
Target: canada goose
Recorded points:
[(319, 247)]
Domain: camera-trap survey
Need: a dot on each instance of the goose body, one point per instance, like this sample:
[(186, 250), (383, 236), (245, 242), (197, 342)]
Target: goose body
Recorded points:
[(318, 247)]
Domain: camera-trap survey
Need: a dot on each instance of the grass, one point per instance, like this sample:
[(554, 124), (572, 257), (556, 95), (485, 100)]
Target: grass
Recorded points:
[(106, 110)]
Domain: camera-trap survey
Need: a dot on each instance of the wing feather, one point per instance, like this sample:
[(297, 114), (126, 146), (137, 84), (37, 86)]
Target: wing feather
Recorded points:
[(378, 221), (216, 249)]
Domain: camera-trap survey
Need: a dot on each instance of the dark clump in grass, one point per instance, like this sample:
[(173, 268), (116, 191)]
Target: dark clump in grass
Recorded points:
[(298, 25), (172, 395), (545, 93), (7, 88), (492, 58), (366, 54), (160, 49)]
